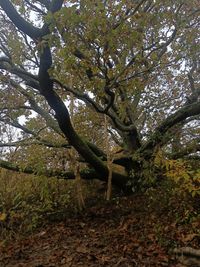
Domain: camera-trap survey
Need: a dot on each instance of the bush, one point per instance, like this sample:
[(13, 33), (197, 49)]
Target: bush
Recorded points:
[(27, 201)]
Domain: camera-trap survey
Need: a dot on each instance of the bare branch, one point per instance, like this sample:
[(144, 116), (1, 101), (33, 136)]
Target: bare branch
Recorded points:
[(40, 141), (35, 8)]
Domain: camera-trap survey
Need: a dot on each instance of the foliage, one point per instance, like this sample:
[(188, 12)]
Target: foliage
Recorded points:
[(66, 66), (140, 229), (184, 172), (105, 90), (27, 202)]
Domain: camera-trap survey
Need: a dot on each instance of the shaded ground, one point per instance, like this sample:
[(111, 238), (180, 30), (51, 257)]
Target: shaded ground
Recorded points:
[(131, 231)]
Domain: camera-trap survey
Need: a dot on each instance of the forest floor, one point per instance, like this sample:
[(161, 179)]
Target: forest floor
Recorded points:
[(140, 230)]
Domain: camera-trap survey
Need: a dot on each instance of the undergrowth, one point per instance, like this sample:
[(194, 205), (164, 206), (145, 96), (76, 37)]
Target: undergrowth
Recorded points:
[(28, 202)]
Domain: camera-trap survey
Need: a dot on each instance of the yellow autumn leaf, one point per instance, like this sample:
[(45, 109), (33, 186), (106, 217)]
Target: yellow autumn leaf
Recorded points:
[(3, 217)]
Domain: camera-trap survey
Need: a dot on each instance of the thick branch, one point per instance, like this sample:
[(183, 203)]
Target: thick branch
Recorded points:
[(62, 114), (24, 26), (20, 22), (160, 132), (86, 174), (56, 5), (51, 122), (186, 150)]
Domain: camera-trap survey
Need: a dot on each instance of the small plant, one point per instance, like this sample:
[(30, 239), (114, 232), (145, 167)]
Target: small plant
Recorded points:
[(27, 201), (184, 173)]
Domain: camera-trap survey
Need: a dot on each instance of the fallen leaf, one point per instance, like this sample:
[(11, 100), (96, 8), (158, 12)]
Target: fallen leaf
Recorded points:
[(3, 217), (189, 237), (82, 249)]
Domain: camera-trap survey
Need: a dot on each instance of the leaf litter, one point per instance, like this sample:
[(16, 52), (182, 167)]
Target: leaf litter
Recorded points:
[(128, 232)]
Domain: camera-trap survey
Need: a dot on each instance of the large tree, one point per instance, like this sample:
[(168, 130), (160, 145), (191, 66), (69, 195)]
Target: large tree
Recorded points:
[(133, 64)]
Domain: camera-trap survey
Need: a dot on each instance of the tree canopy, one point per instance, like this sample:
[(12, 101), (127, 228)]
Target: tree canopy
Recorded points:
[(73, 73)]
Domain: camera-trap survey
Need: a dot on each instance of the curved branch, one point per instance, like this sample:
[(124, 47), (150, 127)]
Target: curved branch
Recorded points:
[(187, 150), (53, 124), (91, 103), (49, 120), (24, 26), (20, 22), (160, 132), (16, 124), (62, 115), (6, 64)]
